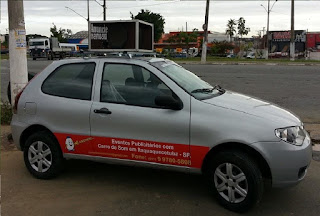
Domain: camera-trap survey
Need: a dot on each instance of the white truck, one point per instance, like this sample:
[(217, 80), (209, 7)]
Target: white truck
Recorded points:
[(47, 48), (193, 52)]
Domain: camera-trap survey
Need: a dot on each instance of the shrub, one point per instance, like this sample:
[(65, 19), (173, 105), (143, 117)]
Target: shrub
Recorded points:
[(6, 113)]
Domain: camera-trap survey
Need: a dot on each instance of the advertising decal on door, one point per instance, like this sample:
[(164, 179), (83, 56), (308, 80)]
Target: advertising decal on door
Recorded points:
[(130, 149)]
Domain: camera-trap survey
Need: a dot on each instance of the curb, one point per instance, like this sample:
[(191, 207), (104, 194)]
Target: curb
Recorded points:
[(316, 152)]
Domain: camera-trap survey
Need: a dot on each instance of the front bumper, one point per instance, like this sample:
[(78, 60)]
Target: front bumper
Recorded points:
[(288, 163)]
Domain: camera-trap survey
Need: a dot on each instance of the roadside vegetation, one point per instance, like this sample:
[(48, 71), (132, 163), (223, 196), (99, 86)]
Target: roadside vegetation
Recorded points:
[(212, 59), (4, 56), (6, 113)]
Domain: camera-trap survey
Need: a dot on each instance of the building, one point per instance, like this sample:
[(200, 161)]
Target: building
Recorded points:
[(217, 36), (2, 38), (165, 42), (4, 43), (279, 41), (313, 41), (80, 39)]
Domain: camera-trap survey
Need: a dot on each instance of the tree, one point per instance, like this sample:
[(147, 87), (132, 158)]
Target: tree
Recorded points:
[(156, 19), (220, 47), (247, 46), (183, 38), (61, 34), (242, 30), (231, 30), (186, 38)]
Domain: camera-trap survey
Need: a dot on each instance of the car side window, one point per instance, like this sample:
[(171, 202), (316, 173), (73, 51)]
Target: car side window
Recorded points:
[(46, 43), (71, 81), (132, 85)]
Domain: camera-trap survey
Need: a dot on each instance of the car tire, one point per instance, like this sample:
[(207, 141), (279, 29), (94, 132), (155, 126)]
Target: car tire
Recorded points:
[(236, 180), (42, 155), (34, 58)]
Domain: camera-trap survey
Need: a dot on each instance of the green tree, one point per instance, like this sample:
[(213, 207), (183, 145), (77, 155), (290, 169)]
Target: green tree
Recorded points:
[(220, 47), (231, 30), (242, 30), (183, 38), (156, 19), (247, 46), (61, 34)]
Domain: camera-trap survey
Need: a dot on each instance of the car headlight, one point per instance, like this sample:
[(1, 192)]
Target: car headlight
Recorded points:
[(292, 135)]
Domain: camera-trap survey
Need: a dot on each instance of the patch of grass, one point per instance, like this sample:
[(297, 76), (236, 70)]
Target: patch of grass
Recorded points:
[(238, 60), (6, 113), (4, 56)]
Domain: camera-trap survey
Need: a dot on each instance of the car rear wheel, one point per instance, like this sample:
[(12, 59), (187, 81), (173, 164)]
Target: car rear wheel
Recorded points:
[(42, 155), (236, 180)]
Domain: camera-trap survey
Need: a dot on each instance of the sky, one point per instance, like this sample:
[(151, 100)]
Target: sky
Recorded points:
[(39, 15)]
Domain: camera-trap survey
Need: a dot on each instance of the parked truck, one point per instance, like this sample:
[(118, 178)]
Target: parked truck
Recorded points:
[(47, 48)]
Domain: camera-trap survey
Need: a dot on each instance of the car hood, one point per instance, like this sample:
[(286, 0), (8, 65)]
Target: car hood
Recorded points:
[(256, 107)]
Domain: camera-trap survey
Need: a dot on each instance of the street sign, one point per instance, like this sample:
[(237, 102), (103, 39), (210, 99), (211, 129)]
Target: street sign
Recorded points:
[(121, 35)]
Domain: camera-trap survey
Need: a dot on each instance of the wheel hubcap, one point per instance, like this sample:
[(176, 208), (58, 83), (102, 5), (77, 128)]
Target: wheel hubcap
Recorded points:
[(40, 156), (231, 182)]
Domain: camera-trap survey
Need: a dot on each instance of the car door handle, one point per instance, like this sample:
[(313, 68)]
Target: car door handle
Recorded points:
[(102, 111)]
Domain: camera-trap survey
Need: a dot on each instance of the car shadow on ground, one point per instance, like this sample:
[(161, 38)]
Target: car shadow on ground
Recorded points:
[(175, 186)]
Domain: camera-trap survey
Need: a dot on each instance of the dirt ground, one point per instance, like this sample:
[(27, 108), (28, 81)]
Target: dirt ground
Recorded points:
[(89, 188)]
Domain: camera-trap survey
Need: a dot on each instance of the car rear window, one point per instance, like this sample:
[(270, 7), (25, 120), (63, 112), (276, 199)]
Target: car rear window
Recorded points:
[(71, 81)]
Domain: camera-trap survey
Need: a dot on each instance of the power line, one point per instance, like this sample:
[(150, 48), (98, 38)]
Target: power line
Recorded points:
[(77, 13)]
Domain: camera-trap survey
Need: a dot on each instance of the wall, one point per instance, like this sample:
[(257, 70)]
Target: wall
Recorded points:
[(314, 56)]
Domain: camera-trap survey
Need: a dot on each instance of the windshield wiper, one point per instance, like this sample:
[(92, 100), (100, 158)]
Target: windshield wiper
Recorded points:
[(209, 90)]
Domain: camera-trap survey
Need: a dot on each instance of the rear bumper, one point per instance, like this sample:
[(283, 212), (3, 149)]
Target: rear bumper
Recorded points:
[(17, 128), (39, 55), (288, 163)]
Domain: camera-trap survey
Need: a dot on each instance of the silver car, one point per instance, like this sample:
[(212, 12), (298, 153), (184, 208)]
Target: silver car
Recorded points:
[(153, 112)]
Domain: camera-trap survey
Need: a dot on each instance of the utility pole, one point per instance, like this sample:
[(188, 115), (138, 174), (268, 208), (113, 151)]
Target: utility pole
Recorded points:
[(267, 51), (292, 40), (88, 18), (205, 36), (88, 11), (188, 42), (104, 10), (17, 48), (264, 44), (268, 17)]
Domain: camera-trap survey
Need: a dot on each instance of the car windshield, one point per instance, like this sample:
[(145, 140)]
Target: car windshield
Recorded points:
[(187, 80), (36, 43)]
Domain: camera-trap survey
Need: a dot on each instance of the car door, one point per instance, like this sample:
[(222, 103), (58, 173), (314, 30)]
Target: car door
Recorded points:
[(127, 124), (65, 102)]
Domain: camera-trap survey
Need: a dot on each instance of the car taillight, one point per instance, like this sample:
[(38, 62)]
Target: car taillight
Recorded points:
[(16, 101)]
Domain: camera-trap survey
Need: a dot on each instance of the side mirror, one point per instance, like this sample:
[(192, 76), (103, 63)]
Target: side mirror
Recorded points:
[(168, 102)]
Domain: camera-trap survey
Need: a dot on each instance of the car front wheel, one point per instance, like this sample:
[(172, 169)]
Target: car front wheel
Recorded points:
[(236, 180), (42, 155)]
